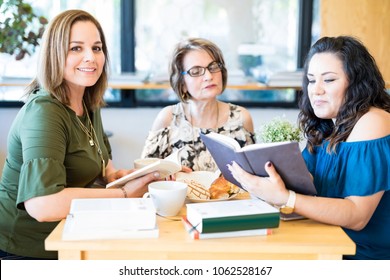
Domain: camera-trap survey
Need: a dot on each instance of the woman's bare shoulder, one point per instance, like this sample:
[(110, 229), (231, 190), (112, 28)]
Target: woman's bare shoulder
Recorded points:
[(372, 125), (163, 119)]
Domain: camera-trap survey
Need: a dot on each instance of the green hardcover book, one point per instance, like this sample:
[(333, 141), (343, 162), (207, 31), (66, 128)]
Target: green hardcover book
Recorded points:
[(232, 215)]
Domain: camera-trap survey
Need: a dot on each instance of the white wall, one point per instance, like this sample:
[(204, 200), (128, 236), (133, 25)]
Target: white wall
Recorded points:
[(130, 128)]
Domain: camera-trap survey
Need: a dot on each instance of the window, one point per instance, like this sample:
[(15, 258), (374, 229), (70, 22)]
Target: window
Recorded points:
[(108, 14), (257, 37)]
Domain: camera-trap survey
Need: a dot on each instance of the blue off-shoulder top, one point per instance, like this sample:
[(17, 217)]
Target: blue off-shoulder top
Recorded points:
[(357, 169)]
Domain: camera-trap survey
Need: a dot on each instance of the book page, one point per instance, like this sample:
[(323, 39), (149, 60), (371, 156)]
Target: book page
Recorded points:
[(165, 167), (258, 146), (99, 231), (174, 157), (231, 142)]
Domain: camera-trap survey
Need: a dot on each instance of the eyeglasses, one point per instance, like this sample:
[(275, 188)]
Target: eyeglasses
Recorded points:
[(198, 71)]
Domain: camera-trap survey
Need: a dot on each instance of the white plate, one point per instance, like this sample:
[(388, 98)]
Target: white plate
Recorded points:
[(206, 178), (211, 200)]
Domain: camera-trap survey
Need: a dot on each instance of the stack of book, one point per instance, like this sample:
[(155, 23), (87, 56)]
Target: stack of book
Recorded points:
[(231, 218), (110, 218)]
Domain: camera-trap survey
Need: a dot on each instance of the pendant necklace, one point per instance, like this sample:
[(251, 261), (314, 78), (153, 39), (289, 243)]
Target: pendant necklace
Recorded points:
[(93, 140)]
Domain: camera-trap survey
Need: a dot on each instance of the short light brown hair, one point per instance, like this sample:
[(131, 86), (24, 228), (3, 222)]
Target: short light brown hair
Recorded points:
[(54, 50), (176, 66)]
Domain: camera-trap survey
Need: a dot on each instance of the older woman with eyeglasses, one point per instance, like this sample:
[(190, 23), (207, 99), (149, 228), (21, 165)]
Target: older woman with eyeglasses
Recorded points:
[(198, 76)]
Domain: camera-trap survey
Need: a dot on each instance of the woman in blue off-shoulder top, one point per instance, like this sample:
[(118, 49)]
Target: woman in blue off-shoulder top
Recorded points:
[(345, 116)]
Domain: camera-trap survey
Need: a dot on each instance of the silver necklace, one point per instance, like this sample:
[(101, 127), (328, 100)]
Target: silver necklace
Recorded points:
[(93, 140)]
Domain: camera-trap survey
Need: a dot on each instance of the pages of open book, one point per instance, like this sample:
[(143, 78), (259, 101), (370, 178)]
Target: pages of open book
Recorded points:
[(166, 167)]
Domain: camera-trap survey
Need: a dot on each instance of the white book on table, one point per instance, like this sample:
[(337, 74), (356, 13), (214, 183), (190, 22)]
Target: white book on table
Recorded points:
[(103, 218), (73, 233)]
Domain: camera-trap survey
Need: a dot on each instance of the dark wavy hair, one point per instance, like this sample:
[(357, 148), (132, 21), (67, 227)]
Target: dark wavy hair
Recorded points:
[(366, 88), (176, 66), (54, 50)]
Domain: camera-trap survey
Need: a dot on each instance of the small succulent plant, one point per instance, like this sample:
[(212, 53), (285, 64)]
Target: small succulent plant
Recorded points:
[(278, 130), (20, 28)]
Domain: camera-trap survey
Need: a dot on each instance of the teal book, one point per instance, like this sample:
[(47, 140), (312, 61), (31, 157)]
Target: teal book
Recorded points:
[(232, 215), (224, 234)]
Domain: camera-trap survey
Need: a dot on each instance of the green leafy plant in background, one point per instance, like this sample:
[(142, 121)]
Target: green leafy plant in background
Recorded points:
[(278, 130), (20, 28)]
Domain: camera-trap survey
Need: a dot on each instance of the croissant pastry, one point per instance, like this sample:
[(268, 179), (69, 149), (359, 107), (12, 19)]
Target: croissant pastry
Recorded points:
[(222, 189)]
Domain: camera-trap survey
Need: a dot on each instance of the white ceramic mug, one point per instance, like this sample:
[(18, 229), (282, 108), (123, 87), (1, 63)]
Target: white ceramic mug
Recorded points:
[(142, 162), (168, 196)]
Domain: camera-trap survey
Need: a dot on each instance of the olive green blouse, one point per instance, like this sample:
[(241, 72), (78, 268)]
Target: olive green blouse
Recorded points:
[(47, 152)]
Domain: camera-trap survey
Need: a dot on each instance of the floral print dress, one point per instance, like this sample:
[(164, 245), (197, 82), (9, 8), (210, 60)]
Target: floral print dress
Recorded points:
[(182, 135)]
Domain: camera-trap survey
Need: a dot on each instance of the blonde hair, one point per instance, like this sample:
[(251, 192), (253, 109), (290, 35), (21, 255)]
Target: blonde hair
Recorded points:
[(53, 53)]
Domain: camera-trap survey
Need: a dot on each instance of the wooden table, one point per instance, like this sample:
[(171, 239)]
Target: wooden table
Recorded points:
[(303, 239)]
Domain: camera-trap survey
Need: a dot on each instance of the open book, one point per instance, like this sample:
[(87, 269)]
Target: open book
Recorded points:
[(166, 167), (110, 218), (285, 156)]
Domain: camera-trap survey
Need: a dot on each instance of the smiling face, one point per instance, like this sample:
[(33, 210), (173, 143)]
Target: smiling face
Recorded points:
[(85, 59), (327, 85), (204, 87)]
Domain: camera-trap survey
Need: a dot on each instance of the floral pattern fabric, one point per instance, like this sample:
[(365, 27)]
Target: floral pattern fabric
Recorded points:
[(182, 135)]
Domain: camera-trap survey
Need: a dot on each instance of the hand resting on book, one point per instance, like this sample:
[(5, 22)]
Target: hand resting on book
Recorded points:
[(270, 189)]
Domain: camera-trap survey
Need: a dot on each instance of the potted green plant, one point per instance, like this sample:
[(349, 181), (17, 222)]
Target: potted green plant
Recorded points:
[(20, 28), (278, 130)]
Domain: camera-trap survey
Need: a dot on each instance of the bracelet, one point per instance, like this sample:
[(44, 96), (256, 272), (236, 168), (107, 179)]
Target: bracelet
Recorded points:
[(124, 192)]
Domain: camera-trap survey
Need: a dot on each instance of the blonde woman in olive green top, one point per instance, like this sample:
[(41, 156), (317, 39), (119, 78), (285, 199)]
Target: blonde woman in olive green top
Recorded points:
[(56, 146)]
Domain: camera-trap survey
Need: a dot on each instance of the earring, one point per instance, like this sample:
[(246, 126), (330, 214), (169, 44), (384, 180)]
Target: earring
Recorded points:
[(185, 95)]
